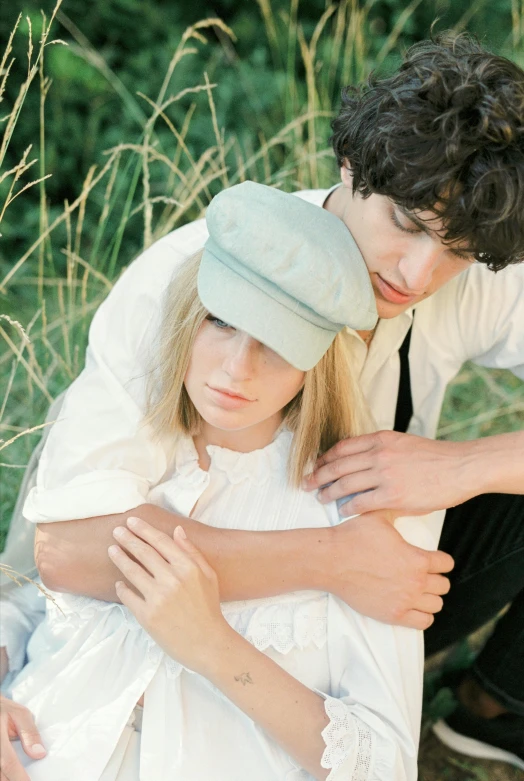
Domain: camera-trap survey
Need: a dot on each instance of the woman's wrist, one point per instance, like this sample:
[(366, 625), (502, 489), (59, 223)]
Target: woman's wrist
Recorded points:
[(214, 661)]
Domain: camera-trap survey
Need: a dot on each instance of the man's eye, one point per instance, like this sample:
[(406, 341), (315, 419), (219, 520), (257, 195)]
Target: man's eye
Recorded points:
[(469, 257), (401, 227), (217, 322)]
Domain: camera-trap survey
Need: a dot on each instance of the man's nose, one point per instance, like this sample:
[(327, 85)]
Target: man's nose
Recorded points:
[(418, 265)]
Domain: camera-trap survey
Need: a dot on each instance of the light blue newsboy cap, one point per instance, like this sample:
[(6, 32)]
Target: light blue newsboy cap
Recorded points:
[(284, 270)]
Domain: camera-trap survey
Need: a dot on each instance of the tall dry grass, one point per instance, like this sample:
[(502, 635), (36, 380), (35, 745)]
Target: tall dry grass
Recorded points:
[(149, 186), (50, 288)]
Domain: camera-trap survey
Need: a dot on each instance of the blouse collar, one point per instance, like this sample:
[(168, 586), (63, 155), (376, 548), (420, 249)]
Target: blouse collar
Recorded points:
[(257, 466)]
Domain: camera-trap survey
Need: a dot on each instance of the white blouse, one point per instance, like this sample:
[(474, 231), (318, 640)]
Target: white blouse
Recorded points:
[(90, 661)]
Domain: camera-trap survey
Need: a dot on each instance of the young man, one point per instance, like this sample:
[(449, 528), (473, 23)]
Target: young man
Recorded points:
[(432, 164)]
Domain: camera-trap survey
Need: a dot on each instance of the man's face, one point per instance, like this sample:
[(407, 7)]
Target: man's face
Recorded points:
[(406, 257)]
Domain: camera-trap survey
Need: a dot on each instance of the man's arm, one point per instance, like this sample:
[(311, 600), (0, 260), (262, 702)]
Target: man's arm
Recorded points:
[(364, 561), (415, 476)]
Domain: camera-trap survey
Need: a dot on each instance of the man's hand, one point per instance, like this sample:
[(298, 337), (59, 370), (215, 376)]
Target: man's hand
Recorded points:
[(17, 722), (411, 475), (375, 571)]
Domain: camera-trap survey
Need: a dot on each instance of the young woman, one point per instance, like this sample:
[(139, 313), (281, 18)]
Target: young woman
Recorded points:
[(251, 380)]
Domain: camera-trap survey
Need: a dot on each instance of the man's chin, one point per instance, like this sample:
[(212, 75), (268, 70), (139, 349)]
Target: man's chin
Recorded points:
[(387, 309)]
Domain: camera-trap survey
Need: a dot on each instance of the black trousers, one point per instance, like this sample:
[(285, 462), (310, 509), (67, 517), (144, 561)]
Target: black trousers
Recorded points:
[(485, 536)]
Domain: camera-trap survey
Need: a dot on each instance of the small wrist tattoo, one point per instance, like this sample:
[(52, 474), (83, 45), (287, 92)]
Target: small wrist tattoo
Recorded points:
[(244, 678)]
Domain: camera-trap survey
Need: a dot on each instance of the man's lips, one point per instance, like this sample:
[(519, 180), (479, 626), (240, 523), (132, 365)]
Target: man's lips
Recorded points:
[(393, 294)]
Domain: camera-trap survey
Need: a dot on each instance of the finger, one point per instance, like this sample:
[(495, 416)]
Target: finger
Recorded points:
[(128, 598), (348, 485), (347, 447), (135, 573), (343, 467), (141, 550), (368, 500), (415, 619), (28, 734), (198, 557), (439, 562), (429, 603), (437, 584), (179, 561), (155, 538), (10, 765)]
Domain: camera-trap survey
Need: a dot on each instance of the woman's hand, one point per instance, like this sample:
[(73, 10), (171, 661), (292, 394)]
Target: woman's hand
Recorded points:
[(178, 599), (17, 722)]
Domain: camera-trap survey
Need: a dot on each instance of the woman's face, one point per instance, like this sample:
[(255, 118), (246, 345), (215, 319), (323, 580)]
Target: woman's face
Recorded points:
[(238, 385)]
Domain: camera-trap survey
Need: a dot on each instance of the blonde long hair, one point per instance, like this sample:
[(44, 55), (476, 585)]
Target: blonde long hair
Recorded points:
[(328, 408)]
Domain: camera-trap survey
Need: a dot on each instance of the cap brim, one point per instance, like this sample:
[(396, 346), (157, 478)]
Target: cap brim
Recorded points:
[(243, 305)]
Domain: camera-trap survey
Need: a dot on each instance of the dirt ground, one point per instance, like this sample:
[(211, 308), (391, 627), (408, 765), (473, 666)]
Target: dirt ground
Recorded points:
[(438, 763)]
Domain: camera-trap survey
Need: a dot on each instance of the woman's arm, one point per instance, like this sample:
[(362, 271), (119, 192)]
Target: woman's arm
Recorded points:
[(175, 598), (364, 561), (180, 608), (293, 715)]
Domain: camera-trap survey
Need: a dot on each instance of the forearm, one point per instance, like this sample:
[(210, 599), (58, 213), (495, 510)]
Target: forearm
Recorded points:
[(495, 464), (72, 555), (293, 715)]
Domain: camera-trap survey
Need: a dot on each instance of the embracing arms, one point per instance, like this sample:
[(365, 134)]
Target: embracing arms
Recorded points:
[(364, 561)]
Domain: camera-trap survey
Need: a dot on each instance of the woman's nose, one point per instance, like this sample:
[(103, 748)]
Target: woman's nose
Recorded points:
[(241, 357)]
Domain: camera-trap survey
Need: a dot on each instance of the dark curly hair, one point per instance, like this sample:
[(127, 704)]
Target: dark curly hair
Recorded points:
[(445, 133)]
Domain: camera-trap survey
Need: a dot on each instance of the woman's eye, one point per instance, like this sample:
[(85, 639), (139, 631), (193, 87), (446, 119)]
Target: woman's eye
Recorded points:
[(217, 322)]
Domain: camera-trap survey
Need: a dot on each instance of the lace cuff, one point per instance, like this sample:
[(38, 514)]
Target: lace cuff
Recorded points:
[(349, 744)]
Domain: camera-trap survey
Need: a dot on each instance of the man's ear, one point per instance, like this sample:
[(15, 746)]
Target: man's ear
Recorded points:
[(346, 174)]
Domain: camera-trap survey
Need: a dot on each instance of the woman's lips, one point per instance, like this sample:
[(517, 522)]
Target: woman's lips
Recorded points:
[(228, 399), (391, 293)]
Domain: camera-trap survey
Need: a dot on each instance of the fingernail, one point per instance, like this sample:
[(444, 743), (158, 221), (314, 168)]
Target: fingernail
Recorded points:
[(119, 531), (181, 533), (37, 748), (113, 549), (132, 521)]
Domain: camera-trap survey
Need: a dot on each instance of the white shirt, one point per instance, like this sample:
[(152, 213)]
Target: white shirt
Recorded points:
[(99, 460), (90, 664)]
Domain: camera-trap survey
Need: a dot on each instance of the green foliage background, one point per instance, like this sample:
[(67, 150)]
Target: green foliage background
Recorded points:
[(250, 97), (133, 153), (120, 47)]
